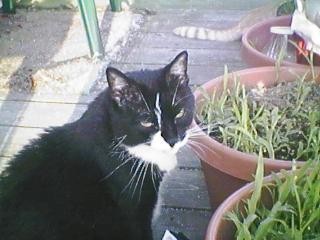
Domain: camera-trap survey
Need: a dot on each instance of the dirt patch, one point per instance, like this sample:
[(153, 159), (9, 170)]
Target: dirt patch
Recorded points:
[(285, 95)]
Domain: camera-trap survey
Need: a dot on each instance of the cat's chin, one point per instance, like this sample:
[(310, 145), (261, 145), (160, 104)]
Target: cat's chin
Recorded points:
[(166, 160), (158, 152)]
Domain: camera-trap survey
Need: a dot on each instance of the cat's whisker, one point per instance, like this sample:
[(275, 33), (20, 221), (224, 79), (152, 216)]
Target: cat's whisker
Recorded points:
[(193, 133), (157, 174), (201, 145), (138, 180), (118, 142), (197, 134), (175, 93), (181, 99), (144, 100), (129, 184), (198, 128), (117, 168), (152, 178), (195, 137), (143, 178), (195, 148), (138, 168), (133, 165)]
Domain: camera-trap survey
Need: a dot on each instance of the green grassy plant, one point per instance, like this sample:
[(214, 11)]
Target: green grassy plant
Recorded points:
[(285, 125), (294, 213)]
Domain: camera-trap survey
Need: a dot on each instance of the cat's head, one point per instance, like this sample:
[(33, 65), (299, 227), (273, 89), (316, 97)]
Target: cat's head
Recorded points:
[(152, 112)]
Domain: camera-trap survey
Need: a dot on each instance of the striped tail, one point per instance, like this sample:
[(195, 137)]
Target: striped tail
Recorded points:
[(223, 35)]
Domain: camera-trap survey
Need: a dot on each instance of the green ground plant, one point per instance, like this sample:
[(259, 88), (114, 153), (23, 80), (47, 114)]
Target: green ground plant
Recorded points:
[(283, 120), (294, 213)]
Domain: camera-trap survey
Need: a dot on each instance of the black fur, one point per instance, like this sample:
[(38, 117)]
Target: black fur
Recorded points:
[(74, 181)]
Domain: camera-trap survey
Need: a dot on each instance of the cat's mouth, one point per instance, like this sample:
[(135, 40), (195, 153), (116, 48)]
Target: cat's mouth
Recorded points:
[(158, 151), (160, 144)]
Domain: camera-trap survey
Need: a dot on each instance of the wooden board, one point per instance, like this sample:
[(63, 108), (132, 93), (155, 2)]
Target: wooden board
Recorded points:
[(38, 114), (198, 14), (187, 159), (197, 57), (167, 25), (185, 189), (49, 98), (193, 223), (165, 40), (12, 139), (167, 21)]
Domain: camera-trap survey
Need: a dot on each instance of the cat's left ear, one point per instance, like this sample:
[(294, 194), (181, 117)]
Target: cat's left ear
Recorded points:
[(118, 83), (178, 67)]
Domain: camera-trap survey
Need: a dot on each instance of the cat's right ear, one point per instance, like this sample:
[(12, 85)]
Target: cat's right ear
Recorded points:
[(118, 82)]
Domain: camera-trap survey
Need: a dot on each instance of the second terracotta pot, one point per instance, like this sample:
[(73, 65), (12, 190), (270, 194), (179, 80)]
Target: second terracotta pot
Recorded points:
[(221, 229), (255, 39)]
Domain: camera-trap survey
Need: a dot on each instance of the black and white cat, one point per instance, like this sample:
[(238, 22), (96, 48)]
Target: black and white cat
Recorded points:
[(98, 178)]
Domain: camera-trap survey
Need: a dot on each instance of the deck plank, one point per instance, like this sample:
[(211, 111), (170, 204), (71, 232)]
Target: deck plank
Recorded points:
[(187, 159), (198, 14), (13, 138), (192, 223), (167, 26), (186, 189), (165, 40), (168, 20), (196, 56), (48, 98), (38, 114)]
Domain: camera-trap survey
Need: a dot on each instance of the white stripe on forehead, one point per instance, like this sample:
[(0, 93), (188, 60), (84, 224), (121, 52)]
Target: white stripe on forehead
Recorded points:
[(175, 93), (158, 109), (144, 100)]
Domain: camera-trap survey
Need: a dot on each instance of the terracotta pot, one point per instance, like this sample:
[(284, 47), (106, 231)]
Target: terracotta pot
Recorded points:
[(226, 169), (256, 38), (221, 229)]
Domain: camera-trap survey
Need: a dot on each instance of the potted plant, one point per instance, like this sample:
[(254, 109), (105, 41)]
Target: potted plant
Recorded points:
[(256, 39), (236, 126), (280, 206)]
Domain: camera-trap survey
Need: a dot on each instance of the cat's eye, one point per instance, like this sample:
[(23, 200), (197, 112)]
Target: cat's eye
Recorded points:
[(180, 114), (146, 124)]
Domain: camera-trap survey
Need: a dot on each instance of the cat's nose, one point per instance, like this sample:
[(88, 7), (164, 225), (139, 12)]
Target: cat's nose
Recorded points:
[(172, 141)]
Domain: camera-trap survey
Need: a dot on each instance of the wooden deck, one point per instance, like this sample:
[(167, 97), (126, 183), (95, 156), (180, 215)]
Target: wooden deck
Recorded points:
[(185, 202)]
